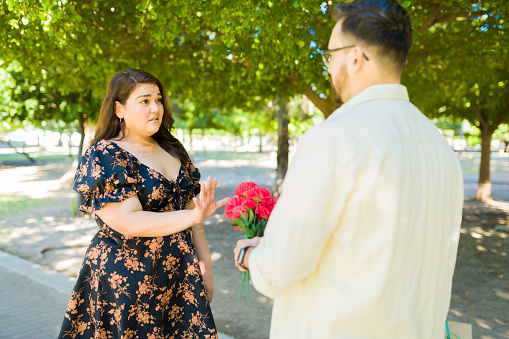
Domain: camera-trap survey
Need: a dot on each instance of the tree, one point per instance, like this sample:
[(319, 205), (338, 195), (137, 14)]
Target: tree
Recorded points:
[(466, 74), (44, 106), (225, 54)]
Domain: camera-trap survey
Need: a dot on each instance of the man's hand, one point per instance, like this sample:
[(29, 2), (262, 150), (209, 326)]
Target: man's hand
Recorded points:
[(241, 244)]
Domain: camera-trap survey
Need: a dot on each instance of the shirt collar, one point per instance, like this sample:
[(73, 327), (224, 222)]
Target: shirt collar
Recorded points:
[(375, 92)]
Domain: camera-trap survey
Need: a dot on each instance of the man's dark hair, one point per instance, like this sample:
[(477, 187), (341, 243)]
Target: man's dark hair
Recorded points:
[(383, 24)]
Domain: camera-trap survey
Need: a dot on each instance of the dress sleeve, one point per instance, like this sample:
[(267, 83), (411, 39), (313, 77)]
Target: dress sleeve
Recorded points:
[(105, 175), (190, 184)]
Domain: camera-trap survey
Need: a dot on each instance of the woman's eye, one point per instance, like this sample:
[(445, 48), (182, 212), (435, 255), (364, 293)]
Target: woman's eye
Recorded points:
[(160, 100), (144, 101)]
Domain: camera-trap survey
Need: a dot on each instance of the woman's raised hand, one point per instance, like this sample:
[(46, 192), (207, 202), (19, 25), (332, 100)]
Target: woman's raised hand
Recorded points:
[(205, 205)]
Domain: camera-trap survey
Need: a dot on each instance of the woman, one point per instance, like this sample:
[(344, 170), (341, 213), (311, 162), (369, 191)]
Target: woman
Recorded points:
[(147, 273)]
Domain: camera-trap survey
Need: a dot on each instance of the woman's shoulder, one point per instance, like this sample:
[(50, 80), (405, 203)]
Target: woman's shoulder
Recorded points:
[(103, 145), (105, 170), (108, 156)]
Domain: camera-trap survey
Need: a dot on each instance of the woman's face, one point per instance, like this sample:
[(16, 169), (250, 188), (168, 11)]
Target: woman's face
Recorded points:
[(143, 110)]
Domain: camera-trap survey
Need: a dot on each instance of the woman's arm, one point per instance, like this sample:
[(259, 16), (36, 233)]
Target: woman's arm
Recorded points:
[(203, 253), (128, 217)]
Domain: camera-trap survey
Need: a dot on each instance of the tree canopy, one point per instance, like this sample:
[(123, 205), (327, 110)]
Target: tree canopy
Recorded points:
[(224, 54), (458, 67), (217, 53)]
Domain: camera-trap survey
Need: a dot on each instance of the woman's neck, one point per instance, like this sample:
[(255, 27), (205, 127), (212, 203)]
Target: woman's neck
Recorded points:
[(141, 144)]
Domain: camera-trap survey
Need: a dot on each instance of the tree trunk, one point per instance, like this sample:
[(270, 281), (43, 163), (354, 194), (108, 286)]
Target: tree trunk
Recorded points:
[(261, 143), (191, 153), (282, 146), (69, 145), (81, 130), (484, 187)]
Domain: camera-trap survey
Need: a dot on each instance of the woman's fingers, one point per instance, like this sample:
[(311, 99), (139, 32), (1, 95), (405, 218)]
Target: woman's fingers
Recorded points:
[(205, 204), (222, 202), (213, 187), (205, 191)]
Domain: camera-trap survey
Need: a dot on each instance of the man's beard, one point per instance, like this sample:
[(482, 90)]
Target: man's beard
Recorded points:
[(341, 84)]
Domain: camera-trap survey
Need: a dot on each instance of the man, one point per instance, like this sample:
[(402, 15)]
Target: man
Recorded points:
[(362, 243)]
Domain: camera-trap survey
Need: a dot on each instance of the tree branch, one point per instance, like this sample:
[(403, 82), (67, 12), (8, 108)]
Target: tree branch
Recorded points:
[(432, 19), (479, 115), (465, 15), (327, 106)]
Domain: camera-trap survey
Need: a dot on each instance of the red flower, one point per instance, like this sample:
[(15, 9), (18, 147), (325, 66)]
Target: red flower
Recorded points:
[(265, 210), (258, 199), (259, 194), (243, 188), (236, 205), (249, 203)]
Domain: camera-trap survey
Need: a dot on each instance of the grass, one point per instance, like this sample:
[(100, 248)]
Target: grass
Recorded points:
[(17, 204), (228, 155), (41, 157)]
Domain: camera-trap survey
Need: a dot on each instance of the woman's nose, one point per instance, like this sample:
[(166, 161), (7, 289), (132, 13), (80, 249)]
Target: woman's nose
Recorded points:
[(154, 107)]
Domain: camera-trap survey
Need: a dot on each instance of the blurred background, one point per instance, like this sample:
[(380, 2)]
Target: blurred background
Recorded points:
[(245, 80)]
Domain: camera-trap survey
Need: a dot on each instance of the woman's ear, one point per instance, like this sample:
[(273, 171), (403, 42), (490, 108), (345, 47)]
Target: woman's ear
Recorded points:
[(119, 110)]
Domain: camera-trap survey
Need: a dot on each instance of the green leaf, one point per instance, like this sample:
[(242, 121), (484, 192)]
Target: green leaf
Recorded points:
[(240, 225), (251, 216), (244, 218)]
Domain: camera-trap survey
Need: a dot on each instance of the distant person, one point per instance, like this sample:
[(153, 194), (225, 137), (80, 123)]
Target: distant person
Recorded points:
[(363, 241), (147, 272)]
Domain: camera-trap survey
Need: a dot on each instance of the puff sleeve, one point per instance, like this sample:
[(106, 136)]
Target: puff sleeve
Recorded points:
[(105, 175)]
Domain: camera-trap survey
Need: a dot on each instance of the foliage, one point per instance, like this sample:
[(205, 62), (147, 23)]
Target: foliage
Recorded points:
[(216, 53), (502, 132), (466, 74), (48, 107), (243, 54), (8, 108), (303, 115), (227, 54)]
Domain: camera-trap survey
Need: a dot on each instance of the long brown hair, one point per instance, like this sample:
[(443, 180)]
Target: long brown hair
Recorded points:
[(119, 89)]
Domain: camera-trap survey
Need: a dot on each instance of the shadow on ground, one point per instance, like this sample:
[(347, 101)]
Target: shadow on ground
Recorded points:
[(40, 227)]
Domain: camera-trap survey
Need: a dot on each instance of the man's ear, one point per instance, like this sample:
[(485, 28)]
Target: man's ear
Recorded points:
[(357, 59)]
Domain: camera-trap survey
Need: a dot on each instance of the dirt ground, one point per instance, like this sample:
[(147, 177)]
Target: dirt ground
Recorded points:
[(36, 223)]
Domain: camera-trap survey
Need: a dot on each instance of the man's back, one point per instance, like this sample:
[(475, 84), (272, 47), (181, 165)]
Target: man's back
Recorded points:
[(397, 236), (386, 216)]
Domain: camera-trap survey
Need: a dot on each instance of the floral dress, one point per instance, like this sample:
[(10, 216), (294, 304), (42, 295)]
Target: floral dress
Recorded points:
[(136, 287)]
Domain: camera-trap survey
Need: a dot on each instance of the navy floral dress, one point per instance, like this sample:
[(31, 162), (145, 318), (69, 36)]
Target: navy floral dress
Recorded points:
[(136, 287)]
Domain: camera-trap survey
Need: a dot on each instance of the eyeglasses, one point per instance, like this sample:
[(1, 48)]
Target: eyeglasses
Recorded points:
[(326, 55)]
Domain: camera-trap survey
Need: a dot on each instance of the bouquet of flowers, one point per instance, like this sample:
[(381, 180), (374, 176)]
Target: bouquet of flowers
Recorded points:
[(249, 212)]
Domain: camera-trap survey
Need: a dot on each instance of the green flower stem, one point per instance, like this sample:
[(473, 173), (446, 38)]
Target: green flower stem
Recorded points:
[(247, 287), (242, 285)]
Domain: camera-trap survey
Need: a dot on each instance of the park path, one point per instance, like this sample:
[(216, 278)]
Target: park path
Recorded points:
[(46, 233)]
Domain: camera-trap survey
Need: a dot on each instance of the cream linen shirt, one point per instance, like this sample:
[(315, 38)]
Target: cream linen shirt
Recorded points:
[(363, 241)]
